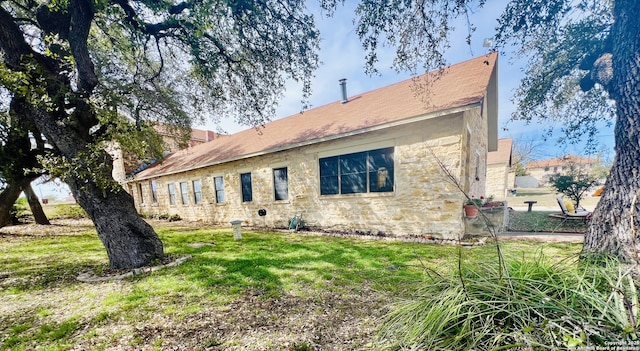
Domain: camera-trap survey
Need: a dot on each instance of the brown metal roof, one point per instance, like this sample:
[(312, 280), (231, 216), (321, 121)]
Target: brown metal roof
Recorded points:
[(503, 154), (460, 85)]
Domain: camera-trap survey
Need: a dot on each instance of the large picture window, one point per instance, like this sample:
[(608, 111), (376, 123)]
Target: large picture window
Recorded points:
[(281, 183), (360, 172), (247, 192), (218, 184)]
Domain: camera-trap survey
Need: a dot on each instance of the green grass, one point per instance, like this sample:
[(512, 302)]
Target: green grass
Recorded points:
[(540, 221), (49, 308)]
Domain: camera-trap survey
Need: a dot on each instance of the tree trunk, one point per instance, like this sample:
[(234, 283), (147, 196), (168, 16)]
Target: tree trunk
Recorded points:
[(614, 228), (9, 196), (129, 240), (34, 204)]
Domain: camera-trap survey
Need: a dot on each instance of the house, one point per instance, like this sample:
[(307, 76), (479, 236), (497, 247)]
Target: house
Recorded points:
[(367, 163), (500, 178), (542, 170)]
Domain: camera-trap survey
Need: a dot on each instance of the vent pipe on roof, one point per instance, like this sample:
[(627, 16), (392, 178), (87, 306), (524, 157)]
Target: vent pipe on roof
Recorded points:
[(343, 88)]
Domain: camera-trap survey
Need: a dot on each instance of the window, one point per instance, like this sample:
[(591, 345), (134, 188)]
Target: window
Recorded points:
[(172, 194), (154, 191), (360, 172), (197, 191), (280, 184), (247, 193), (218, 185), (184, 192), (140, 193)]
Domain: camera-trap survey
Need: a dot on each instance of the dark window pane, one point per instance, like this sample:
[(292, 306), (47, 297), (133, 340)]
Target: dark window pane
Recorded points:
[(353, 183), (281, 184), (380, 158), (329, 185), (329, 166), (247, 193), (353, 163), (381, 180), (381, 174), (329, 176)]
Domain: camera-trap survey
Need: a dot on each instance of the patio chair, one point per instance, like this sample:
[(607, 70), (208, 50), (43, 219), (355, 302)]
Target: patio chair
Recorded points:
[(566, 214)]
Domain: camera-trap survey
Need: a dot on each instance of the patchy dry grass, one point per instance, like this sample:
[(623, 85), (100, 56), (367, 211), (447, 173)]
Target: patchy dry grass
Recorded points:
[(269, 291)]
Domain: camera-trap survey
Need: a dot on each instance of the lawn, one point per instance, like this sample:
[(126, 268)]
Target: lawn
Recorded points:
[(269, 291), (540, 221)]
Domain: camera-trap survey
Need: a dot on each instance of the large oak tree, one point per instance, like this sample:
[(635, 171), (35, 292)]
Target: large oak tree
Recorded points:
[(95, 71), (582, 68)]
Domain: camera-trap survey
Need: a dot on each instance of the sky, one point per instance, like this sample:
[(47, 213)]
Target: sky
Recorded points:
[(342, 56)]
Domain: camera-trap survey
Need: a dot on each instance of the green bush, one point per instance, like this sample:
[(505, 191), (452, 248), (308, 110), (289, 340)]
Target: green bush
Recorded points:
[(532, 305), (20, 210), (67, 211)]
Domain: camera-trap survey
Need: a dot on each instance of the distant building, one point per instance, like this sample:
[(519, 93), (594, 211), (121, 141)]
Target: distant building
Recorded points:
[(542, 170), (500, 179), (124, 165)]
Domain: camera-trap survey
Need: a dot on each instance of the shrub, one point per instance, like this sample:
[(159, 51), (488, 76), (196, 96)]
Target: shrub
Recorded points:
[(20, 210), (534, 304)]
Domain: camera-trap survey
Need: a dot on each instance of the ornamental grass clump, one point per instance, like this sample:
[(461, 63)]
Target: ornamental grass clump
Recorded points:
[(530, 304)]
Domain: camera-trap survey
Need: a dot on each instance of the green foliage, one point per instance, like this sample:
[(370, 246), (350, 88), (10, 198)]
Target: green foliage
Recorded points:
[(19, 210), (536, 303), (560, 39), (574, 184)]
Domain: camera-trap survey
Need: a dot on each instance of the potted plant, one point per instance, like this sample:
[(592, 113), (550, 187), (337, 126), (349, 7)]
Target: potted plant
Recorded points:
[(471, 207)]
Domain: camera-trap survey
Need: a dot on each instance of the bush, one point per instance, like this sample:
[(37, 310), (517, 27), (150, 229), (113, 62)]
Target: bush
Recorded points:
[(20, 210), (534, 304)]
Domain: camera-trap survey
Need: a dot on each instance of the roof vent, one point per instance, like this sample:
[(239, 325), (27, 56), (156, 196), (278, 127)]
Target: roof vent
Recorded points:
[(343, 89)]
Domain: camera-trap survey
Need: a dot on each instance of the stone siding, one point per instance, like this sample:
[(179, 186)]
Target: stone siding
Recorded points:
[(423, 201), (497, 180)]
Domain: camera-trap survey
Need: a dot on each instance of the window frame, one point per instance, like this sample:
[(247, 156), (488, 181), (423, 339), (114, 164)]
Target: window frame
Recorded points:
[(249, 196), (171, 189), (153, 186), (220, 196), (356, 171), (140, 193), (184, 193), (277, 182), (197, 193)]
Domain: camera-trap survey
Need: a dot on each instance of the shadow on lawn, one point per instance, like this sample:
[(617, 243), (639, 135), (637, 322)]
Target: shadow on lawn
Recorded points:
[(540, 221)]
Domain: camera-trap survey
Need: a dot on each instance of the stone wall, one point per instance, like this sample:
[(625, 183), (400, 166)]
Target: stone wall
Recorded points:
[(423, 201), (497, 178)]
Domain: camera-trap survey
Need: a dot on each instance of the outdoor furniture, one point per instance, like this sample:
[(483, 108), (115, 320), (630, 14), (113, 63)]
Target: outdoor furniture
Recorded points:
[(530, 203), (579, 214)]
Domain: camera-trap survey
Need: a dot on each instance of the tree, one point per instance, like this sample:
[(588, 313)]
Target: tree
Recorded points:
[(583, 58), (574, 184), (90, 72), (19, 164), (582, 68), (523, 152)]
